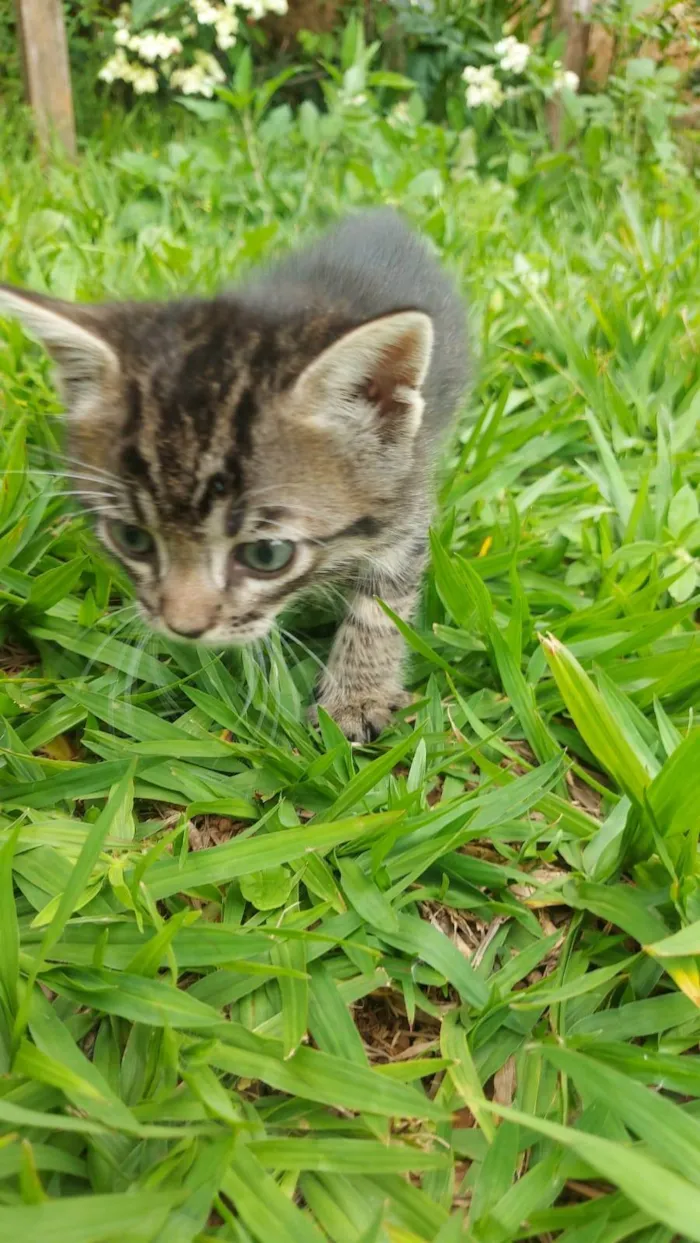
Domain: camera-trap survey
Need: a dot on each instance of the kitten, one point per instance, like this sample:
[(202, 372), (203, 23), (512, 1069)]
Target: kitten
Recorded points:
[(237, 449)]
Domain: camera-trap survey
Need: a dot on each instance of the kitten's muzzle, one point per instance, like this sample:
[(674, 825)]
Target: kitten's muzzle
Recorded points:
[(189, 603), (188, 634)]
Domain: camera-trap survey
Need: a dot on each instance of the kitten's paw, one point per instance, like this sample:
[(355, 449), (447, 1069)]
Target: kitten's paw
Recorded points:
[(362, 718)]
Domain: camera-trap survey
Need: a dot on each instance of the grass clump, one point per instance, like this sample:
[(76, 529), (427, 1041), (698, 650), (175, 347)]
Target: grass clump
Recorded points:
[(256, 984)]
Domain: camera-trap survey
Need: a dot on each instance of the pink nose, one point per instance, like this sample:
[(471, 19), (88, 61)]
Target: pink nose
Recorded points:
[(188, 634), (188, 604)]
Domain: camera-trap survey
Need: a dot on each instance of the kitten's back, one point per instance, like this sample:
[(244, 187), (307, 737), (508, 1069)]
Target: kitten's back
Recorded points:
[(369, 266)]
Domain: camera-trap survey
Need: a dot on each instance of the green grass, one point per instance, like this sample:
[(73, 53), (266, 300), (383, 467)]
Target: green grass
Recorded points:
[(445, 988)]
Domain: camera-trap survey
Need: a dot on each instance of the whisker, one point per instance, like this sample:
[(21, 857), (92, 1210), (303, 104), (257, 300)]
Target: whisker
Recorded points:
[(31, 471), (267, 643), (288, 639), (71, 461)]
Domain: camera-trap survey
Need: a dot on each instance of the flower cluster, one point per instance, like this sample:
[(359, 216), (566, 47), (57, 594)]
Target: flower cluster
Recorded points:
[(483, 86), (172, 53), (564, 79), (120, 69), (257, 9), (223, 18), (513, 56), (516, 58), (151, 46), (199, 78)]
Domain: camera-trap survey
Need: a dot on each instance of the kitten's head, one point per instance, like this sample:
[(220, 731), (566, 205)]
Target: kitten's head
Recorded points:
[(229, 457)]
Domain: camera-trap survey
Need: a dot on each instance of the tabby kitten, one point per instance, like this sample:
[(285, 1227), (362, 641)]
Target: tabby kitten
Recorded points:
[(237, 449)]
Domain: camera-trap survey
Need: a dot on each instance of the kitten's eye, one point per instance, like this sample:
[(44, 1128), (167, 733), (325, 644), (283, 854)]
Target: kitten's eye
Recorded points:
[(132, 540), (266, 556)]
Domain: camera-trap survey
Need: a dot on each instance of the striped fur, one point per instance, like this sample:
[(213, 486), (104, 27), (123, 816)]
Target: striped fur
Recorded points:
[(306, 407)]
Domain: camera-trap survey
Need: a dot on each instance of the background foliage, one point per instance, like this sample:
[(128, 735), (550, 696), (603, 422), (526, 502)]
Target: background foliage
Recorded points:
[(256, 984)]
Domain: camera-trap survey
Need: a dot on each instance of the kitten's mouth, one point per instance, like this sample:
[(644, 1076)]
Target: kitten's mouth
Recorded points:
[(218, 636), (237, 636)]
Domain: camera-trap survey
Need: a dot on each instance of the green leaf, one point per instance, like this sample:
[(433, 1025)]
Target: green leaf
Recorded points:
[(58, 1061), (683, 510), (329, 1019), (595, 721), (119, 799), (267, 890), (9, 930), (687, 941), (664, 1195), (136, 1215), (522, 698), (255, 854), (417, 936), (674, 794), (263, 1207), (294, 990), (54, 585), (669, 1132), (454, 1045), (134, 997), (626, 907), (345, 1156), (370, 776), (317, 1076), (366, 897)]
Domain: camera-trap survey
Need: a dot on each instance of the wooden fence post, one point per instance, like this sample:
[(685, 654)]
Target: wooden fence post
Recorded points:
[(573, 20), (47, 71)]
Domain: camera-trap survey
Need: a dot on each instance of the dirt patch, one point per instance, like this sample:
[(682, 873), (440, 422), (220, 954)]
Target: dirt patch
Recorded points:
[(383, 1024), (15, 659), (206, 831)]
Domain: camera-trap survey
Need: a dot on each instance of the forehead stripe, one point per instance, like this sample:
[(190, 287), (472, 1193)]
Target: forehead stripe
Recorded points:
[(243, 416), (134, 464), (134, 408)]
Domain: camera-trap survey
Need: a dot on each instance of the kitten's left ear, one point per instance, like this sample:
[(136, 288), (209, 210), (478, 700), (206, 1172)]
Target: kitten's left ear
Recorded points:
[(71, 335), (375, 371)]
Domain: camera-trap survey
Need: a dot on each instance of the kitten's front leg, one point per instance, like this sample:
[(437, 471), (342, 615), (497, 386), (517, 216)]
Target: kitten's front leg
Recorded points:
[(363, 682)]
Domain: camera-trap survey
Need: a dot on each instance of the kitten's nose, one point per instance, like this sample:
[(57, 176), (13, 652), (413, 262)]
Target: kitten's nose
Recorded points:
[(188, 602), (187, 634)]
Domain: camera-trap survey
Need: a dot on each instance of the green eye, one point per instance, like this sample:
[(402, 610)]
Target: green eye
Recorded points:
[(133, 541), (266, 556)]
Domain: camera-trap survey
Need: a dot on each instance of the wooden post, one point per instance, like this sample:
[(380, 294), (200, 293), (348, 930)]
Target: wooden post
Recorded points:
[(47, 71), (573, 19)]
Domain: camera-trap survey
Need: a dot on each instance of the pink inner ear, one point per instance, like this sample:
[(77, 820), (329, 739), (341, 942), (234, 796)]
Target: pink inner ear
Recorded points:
[(396, 368)]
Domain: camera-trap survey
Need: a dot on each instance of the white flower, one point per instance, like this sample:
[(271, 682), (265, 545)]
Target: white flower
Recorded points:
[(400, 114), (512, 55), (200, 78), (207, 14), (483, 87), (210, 66), (155, 45), (117, 68), (145, 81), (226, 27), (224, 39), (565, 79), (123, 35), (260, 8), (191, 81)]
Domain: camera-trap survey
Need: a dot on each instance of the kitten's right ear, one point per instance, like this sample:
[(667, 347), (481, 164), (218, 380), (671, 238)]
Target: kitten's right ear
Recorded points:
[(71, 335)]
